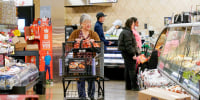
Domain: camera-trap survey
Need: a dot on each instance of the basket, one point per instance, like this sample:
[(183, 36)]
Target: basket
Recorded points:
[(79, 60)]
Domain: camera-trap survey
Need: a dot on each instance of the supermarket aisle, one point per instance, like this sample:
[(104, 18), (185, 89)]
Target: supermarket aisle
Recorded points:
[(114, 90)]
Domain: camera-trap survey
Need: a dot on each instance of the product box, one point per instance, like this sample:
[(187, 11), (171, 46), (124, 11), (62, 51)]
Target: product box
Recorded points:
[(19, 49), (32, 47), (21, 43), (27, 30), (161, 94), (77, 65), (15, 40)]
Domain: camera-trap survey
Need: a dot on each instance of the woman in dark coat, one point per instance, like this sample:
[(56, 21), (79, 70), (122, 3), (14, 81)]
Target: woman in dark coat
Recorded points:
[(128, 47)]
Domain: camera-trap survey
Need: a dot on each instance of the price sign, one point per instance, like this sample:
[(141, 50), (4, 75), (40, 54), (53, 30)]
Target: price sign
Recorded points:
[(46, 45)]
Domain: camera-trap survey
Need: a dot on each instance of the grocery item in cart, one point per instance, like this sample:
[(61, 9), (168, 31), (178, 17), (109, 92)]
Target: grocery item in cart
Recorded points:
[(77, 65), (86, 44)]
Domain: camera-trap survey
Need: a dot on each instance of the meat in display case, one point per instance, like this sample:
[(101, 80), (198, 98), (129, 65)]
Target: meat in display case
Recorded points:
[(180, 56)]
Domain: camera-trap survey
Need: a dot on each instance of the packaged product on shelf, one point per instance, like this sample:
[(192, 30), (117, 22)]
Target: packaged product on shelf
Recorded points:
[(17, 75), (32, 47)]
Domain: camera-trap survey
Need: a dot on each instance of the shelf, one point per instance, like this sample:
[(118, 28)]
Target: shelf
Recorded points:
[(114, 65), (20, 89), (114, 61), (113, 55), (28, 53), (30, 38), (7, 26)]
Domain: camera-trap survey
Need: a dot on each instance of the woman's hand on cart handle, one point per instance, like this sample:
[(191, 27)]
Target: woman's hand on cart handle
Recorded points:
[(78, 40), (91, 40), (134, 57)]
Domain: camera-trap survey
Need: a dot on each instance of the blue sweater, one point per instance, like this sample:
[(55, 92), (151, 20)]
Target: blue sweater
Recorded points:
[(47, 59), (99, 29)]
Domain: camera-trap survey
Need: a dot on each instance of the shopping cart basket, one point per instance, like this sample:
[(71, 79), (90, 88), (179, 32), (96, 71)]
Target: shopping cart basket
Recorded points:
[(81, 61)]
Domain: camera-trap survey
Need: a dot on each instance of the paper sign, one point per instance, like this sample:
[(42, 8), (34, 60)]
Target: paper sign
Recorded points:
[(24, 2), (46, 45), (46, 36)]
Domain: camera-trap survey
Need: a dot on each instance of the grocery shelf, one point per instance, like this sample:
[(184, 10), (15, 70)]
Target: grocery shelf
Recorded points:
[(7, 26), (28, 53), (109, 65), (20, 89), (34, 37), (30, 85)]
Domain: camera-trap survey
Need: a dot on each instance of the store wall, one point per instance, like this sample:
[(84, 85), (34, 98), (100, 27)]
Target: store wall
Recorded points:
[(151, 12), (57, 10), (37, 8)]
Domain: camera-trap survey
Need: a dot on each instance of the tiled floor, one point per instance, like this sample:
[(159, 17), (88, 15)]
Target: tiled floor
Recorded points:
[(114, 90)]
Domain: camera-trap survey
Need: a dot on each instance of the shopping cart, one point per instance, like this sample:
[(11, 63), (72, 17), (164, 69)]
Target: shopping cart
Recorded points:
[(82, 62)]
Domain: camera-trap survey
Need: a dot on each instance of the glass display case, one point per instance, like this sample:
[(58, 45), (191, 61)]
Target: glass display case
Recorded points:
[(113, 57), (180, 55)]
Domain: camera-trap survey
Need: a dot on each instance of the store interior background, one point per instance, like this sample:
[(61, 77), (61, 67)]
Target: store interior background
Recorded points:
[(150, 12)]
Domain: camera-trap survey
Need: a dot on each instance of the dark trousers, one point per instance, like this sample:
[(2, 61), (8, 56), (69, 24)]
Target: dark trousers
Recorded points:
[(81, 88), (47, 68), (130, 72)]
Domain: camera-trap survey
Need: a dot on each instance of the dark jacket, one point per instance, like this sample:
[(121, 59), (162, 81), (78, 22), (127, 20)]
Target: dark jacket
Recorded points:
[(127, 42), (99, 29)]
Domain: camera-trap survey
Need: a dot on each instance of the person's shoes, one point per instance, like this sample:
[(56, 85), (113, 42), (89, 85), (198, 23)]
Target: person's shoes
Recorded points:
[(91, 98), (82, 98), (128, 88), (47, 82)]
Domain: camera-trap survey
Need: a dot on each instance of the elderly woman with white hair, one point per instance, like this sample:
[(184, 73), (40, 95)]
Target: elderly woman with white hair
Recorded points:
[(83, 33), (116, 29)]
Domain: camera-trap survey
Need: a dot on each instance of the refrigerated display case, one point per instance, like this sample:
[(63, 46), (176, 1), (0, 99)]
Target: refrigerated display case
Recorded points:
[(180, 55), (113, 57)]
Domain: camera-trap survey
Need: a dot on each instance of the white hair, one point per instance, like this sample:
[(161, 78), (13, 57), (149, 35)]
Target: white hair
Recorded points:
[(85, 17)]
